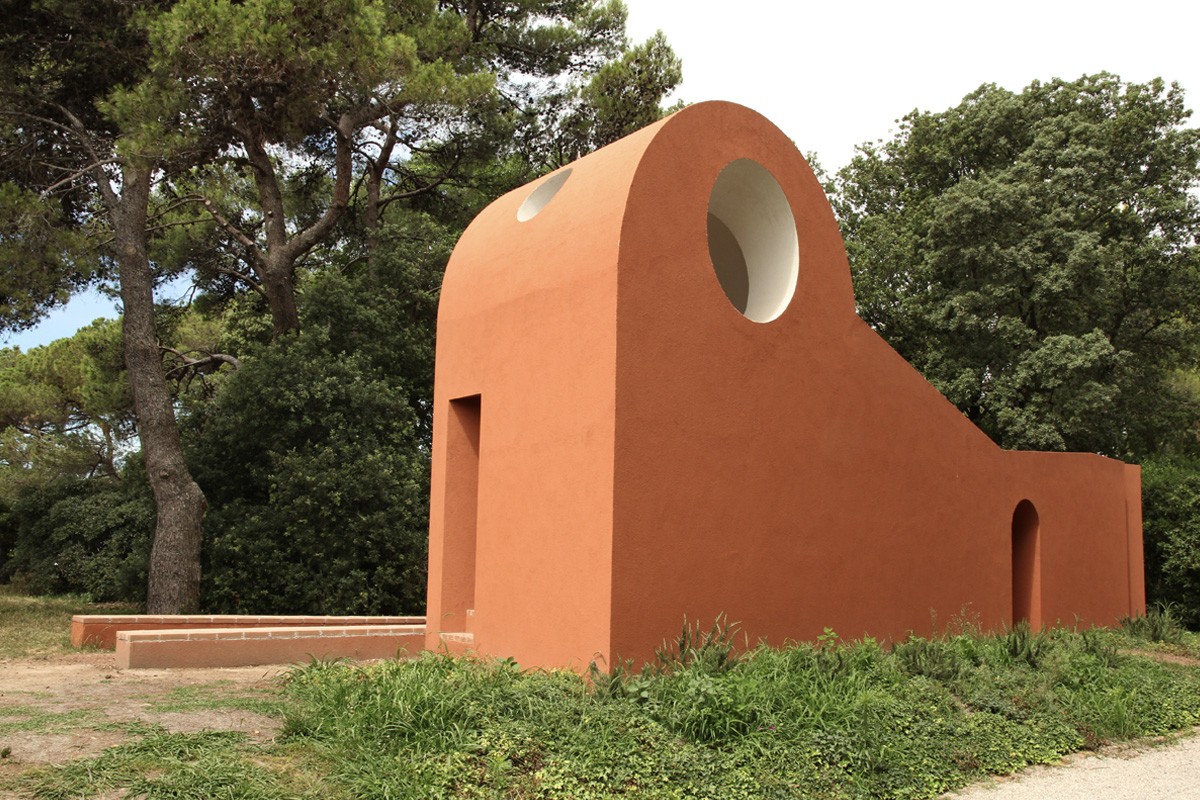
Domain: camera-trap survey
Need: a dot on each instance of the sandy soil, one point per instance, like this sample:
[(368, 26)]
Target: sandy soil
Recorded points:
[(90, 684)]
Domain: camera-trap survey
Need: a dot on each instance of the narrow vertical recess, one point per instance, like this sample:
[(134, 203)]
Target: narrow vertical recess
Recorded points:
[(461, 513), (1026, 566)]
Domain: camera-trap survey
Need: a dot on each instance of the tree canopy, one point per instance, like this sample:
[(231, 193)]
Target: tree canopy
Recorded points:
[(1034, 254), (64, 407), (308, 163)]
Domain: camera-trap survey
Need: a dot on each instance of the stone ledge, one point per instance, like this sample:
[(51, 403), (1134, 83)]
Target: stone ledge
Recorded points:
[(98, 630), (243, 647)]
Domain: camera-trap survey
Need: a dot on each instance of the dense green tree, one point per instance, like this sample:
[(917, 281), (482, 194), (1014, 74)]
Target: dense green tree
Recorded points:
[(1171, 510), (293, 85), (1034, 255), (39, 254), (126, 124), (319, 101), (82, 536), (536, 52), (315, 454), (82, 123), (621, 97), (64, 408)]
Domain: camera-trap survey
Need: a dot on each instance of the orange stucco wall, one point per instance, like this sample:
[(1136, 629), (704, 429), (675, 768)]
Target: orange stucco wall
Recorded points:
[(646, 452)]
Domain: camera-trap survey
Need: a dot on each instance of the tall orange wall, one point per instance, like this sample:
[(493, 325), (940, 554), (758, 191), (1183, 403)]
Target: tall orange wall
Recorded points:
[(526, 322), (647, 452)]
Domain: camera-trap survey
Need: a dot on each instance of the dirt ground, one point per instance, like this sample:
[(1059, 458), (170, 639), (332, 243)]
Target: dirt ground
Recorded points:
[(102, 703)]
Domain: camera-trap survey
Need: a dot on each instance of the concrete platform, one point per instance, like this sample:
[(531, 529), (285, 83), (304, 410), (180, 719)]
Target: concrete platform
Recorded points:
[(254, 646), (98, 630)]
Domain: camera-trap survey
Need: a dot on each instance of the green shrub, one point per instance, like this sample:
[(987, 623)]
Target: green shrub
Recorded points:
[(75, 536), (1159, 624), (314, 456), (1171, 516)]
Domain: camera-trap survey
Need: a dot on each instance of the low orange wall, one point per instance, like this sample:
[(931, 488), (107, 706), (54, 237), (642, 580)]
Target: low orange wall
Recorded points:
[(249, 647), (96, 630)]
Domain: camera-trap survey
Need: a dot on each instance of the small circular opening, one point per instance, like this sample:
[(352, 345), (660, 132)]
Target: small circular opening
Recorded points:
[(542, 195), (752, 240)]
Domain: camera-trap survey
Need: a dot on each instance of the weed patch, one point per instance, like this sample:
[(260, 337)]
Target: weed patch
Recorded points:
[(1159, 624), (221, 695), (41, 626), (827, 720)]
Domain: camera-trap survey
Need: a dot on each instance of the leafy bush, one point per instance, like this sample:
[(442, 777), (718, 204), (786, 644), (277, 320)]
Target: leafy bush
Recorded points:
[(81, 536), (314, 459), (1171, 514)]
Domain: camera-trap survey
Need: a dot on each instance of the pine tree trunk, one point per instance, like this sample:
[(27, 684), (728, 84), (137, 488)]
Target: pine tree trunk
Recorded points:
[(174, 586), (281, 297)]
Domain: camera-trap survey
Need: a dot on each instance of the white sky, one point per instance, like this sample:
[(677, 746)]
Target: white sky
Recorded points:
[(835, 74)]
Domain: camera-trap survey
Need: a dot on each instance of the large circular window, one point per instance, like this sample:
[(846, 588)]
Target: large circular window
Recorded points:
[(752, 240)]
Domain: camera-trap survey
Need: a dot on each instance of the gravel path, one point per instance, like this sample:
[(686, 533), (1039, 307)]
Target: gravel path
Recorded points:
[(1158, 772)]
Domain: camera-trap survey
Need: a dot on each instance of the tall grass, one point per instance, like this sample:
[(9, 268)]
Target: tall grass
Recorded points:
[(826, 721), (1160, 624)]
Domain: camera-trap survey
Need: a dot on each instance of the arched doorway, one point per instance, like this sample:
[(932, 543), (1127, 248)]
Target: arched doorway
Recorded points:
[(1026, 566)]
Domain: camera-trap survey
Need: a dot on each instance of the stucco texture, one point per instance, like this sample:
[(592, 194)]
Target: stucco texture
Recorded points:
[(616, 446)]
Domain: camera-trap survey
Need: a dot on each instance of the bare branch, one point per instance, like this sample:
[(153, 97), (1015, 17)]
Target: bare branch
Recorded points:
[(306, 239), (241, 276), (420, 190), (178, 202), (166, 225), (38, 118), (74, 176), (270, 195), (81, 132), (190, 364), (232, 229)]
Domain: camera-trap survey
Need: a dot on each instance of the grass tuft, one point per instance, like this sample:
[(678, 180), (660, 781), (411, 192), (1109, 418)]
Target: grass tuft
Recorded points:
[(221, 695), (1159, 624)]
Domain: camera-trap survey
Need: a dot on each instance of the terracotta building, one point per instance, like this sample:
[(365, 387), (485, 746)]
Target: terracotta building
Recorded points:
[(654, 399)]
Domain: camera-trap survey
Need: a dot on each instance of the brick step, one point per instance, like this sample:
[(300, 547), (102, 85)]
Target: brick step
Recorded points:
[(255, 646), (99, 630), (457, 643)]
